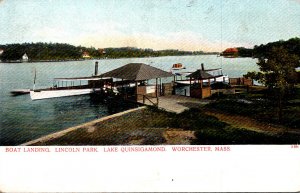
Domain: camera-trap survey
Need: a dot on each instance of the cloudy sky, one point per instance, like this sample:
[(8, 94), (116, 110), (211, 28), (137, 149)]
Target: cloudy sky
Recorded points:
[(209, 25)]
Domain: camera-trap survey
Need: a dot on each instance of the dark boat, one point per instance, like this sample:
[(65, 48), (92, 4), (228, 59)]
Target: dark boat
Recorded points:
[(17, 92)]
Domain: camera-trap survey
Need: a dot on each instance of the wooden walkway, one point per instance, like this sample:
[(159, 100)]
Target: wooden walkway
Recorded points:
[(176, 103)]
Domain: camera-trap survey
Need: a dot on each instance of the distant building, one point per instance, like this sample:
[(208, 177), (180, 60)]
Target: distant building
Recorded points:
[(101, 51), (86, 55), (25, 58), (231, 52)]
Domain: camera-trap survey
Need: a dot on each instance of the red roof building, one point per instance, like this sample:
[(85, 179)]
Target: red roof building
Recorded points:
[(230, 52)]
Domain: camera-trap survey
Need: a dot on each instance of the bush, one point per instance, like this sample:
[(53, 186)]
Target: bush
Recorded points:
[(231, 135)]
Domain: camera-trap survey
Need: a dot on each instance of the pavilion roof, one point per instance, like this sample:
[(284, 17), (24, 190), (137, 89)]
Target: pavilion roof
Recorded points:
[(203, 74), (137, 72)]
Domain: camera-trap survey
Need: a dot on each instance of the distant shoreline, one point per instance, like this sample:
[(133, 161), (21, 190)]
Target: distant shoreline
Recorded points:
[(70, 60), (35, 61)]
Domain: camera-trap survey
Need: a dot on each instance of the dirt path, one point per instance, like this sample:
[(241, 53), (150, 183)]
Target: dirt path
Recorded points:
[(249, 123)]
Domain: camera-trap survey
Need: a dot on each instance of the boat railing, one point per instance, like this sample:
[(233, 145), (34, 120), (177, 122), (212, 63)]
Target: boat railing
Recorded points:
[(64, 88), (215, 72)]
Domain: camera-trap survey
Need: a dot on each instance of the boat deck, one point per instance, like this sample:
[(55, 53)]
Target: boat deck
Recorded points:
[(176, 103)]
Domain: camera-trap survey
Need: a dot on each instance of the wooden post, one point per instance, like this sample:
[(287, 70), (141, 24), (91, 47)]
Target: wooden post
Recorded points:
[(136, 90), (160, 87), (96, 68), (156, 87)]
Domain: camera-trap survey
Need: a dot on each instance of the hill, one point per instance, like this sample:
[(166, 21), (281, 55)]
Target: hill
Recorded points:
[(58, 51)]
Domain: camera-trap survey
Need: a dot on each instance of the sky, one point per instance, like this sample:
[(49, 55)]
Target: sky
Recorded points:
[(206, 25)]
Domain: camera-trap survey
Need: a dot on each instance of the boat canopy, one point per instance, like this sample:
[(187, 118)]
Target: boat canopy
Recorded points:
[(80, 78), (182, 73)]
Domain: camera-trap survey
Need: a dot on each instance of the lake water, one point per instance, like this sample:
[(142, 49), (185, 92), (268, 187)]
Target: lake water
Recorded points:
[(22, 120)]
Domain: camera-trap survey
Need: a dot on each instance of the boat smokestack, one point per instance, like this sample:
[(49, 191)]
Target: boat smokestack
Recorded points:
[(202, 66), (96, 68)]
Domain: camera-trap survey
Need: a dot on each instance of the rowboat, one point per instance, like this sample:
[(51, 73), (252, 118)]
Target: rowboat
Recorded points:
[(178, 66), (17, 92)]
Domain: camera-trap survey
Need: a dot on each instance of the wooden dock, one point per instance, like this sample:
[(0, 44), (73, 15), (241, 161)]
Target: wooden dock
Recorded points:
[(176, 103)]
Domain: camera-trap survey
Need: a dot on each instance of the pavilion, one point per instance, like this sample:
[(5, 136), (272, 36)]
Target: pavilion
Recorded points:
[(199, 90), (133, 77)]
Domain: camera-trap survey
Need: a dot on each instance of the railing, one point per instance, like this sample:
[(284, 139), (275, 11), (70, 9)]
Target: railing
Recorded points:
[(148, 98)]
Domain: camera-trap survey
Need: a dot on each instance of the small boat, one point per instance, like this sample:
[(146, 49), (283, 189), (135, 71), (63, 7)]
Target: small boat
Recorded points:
[(178, 66), (17, 92), (224, 79)]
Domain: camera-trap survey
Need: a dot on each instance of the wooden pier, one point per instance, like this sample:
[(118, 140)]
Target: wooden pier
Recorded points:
[(175, 103)]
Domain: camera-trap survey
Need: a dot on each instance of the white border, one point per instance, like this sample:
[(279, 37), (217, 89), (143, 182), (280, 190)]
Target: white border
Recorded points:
[(244, 168)]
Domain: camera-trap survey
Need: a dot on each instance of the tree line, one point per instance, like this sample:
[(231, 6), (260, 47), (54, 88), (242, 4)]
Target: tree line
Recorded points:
[(278, 62), (58, 51), (39, 51), (262, 51)]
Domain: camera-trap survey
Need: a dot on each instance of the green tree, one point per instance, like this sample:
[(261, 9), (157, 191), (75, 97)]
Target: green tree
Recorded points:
[(278, 73)]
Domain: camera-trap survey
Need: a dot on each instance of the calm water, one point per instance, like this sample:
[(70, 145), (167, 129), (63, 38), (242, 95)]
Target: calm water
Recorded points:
[(22, 120)]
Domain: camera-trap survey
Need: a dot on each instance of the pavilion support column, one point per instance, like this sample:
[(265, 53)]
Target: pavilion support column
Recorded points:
[(136, 90), (201, 90), (156, 87), (208, 82), (160, 87), (124, 94)]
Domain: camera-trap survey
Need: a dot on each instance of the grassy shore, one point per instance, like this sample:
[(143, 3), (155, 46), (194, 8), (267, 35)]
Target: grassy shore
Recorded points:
[(151, 126), (260, 104)]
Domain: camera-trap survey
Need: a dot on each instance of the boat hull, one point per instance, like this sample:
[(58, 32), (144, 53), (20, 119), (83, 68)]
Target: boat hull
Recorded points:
[(46, 94)]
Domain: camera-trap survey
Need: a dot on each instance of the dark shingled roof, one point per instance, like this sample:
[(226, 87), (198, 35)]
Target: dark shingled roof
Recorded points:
[(136, 72), (202, 75)]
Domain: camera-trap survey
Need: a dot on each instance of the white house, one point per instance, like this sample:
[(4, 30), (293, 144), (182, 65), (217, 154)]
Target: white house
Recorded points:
[(25, 58), (86, 55)]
